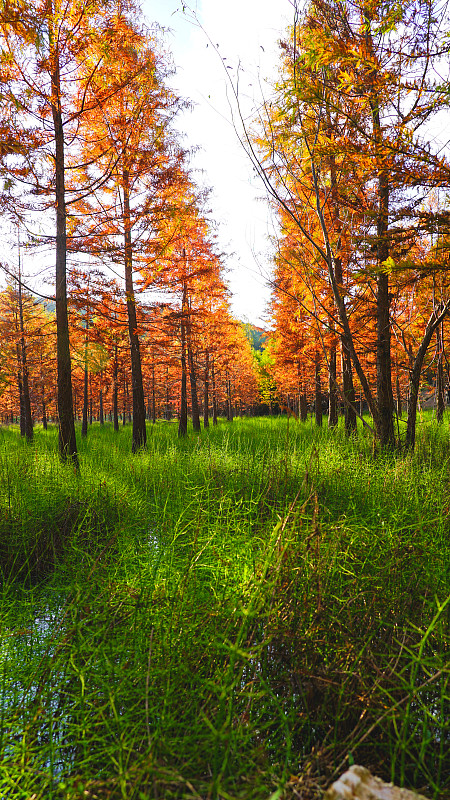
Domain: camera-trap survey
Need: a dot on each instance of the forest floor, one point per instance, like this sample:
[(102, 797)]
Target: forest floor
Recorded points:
[(240, 614)]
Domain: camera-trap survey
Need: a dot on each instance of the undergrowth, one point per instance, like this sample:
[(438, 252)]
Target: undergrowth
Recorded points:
[(240, 614)]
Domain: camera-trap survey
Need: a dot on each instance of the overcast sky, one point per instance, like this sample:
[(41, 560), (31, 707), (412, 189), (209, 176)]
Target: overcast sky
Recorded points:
[(245, 32)]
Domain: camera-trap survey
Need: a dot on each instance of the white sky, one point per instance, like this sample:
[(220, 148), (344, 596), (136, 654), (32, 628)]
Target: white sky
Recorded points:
[(247, 33)]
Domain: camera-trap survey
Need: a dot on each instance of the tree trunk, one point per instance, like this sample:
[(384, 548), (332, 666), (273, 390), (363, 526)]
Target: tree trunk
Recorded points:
[(303, 407), (214, 395), (194, 395), (384, 421), (332, 392), (139, 437), (115, 390), (44, 412), (318, 390), (28, 420), (125, 400), (167, 413), (440, 402), (153, 395), (20, 388), (67, 440), (229, 400), (101, 417), (348, 391), (183, 421), (206, 393), (84, 424), (399, 400), (415, 372)]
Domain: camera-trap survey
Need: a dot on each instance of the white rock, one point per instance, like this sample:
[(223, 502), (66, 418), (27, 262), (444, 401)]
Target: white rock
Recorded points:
[(358, 784)]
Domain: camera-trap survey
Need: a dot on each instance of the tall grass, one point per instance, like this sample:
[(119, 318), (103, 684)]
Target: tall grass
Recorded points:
[(235, 615)]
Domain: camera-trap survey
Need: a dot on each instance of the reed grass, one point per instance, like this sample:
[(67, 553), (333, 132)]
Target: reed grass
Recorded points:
[(236, 615)]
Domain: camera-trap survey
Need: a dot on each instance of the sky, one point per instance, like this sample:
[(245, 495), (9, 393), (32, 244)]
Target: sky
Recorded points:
[(207, 46)]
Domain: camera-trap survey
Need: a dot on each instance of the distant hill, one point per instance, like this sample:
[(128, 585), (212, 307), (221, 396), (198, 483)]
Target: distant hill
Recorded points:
[(256, 336)]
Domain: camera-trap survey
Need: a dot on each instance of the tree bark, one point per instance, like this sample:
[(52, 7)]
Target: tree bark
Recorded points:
[(318, 390), (206, 393), (115, 390), (168, 413), (229, 400), (194, 395), (139, 436), (153, 395), (214, 395), (415, 372), (349, 392), (20, 388), (101, 417), (84, 423), (332, 393), (28, 420), (67, 439), (399, 399), (384, 421), (440, 402), (183, 421)]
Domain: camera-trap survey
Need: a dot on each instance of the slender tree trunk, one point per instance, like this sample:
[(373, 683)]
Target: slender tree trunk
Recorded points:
[(84, 423), (139, 438), (229, 400), (214, 395), (318, 390), (125, 400), (348, 391), (440, 402), (101, 417), (183, 421), (332, 392), (167, 411), (20, 388), (206, 393), (28, 420), (153, 395), (67, 439), (115, 389), (415, 372), (44, 411), (194, 395), (384, 421), (347, 374), (399, 400), (303, 407)]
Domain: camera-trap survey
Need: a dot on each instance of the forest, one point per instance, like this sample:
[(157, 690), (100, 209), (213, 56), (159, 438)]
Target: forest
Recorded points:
[(224, 549)]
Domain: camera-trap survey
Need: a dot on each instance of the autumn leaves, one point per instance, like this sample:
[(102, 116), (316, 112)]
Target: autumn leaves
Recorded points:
[(89, 137)]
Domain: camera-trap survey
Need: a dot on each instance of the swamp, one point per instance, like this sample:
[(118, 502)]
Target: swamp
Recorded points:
[(237, 614)]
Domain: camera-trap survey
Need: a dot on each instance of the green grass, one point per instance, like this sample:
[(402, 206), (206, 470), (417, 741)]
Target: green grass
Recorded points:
[(236, 615)]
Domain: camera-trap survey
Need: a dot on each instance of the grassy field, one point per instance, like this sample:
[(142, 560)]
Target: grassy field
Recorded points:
[(240, 614)]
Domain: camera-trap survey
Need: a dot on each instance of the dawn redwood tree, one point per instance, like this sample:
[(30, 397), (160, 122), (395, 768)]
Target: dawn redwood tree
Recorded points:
[(342, 154), (133, 128), (50, 52)]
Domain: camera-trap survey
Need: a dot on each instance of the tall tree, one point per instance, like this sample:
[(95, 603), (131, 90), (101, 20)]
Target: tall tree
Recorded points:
[(50, 52), (343, 157), (134, 129)]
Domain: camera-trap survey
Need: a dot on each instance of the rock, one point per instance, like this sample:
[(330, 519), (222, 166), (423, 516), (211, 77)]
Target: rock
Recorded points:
[(358, 784)]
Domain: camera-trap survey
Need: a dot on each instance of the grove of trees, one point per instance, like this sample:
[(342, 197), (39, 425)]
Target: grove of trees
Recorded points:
[(88, 138), (347, 148), (348, 151)]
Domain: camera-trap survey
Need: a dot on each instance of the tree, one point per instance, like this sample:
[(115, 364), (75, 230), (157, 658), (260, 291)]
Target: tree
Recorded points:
[(342, 156), (50, 53), (134, 130)]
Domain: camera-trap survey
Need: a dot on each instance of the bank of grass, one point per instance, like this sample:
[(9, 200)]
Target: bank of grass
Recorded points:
[(236, 615)]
